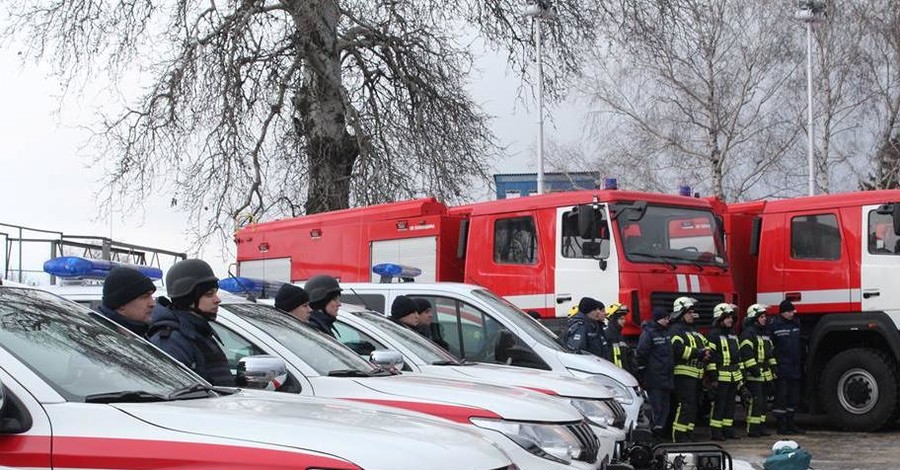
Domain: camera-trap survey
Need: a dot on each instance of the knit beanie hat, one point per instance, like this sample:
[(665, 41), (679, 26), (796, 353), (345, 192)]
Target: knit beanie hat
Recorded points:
[(588, 304), (123, 284), (422, 304), (402, 307), (290, 297), (786, 306), (659, 313)]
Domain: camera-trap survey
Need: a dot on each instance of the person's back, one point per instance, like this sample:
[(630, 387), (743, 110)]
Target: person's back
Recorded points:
[(181, 326)]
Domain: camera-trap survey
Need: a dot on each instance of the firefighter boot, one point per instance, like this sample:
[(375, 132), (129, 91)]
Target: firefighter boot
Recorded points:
[(729, 433), (783, 426), (681, 436), (753, 430), (716, 434), (792, 427)]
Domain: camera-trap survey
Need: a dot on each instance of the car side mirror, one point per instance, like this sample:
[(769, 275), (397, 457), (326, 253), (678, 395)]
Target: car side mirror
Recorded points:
[(387, 359), (262, 372)]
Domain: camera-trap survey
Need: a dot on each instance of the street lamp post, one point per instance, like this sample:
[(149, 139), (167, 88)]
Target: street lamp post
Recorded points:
[(810, 12), (540, 10)]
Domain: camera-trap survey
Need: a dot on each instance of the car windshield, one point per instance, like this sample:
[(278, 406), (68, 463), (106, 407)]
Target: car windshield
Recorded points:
[(424, 349), (80, 354), (670, 235), (533, 328), (322, 353)]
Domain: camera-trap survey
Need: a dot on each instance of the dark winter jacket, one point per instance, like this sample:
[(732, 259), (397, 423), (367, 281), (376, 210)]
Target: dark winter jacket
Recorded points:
[(726, 354), (323, 322), (785, 336), (433, 332), (620, 353), (688, 348), (584, 334), (135, 327), (654, 354), (190, 339)]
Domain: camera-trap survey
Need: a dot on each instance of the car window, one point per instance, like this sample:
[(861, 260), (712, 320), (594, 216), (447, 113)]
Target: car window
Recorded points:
[(471, 333), (357, 340), (322, 353), (532, 328), (419, 345), (235, 346), (80, 353)]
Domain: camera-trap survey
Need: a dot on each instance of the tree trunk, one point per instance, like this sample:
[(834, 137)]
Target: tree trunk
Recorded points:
[(330, 150)]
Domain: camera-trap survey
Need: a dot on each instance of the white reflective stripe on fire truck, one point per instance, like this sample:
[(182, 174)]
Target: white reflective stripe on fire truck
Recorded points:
[(685, 279), (809, 297), (533, 301)]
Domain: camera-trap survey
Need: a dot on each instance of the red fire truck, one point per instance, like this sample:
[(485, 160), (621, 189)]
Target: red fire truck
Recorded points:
[(543, 253), (837, 258)]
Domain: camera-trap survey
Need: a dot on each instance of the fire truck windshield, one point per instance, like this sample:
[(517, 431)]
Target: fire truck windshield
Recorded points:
[(671, 235)]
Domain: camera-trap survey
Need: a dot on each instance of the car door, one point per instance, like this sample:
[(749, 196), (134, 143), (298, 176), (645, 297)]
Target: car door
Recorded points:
[(31, 448), (880, 263)]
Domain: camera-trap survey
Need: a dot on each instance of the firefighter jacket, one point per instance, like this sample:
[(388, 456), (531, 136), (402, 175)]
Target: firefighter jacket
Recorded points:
[(758, 354), (619, 352), (788, 346), (585, 334), (654, 353), (726, 354), (688, 347)]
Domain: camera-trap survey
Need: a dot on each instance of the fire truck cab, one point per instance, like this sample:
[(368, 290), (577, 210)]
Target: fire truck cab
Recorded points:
[(837, 258)]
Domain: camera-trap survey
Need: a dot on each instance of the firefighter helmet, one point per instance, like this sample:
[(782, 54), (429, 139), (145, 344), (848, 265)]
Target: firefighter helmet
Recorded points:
[(616, 308), (574, 310), (723, 311), (756, 310), (681, 306)]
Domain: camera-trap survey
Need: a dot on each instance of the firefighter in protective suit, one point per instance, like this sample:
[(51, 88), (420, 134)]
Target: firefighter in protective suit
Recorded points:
[(692, 354), (619, 353), (758, 355), (728, 377)]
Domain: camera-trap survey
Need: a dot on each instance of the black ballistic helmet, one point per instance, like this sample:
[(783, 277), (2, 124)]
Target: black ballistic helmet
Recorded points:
[(184, 277), (321, 289)]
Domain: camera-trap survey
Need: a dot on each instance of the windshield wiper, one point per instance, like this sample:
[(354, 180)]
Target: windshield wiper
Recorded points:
[(349, 373), (447, 363), (125, 396), (197, 390), (656, 257)]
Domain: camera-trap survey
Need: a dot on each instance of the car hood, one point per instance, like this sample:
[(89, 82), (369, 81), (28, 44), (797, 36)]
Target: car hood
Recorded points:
[(596, 365), (541, 381), (457, 400), (393, 440)]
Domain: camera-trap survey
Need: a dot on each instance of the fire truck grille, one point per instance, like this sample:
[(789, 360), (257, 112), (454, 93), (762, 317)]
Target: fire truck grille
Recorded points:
[(705, 303), (589, 444)]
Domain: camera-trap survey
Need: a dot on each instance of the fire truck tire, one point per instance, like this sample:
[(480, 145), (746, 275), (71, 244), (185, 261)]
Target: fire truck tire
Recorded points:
[(861, 389)]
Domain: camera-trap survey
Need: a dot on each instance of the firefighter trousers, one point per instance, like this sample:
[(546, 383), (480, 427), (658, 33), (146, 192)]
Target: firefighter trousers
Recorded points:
[(759, 405), (722, 413), (687, 392)]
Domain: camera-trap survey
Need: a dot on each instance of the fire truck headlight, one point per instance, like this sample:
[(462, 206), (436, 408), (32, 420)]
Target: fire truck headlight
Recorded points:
[(550, 441)]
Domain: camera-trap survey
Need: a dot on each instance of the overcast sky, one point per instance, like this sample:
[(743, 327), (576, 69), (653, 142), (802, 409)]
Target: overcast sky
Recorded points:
[(48, 181)]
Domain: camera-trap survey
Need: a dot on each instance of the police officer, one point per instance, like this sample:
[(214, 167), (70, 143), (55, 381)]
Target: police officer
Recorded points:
[(726, 356), (758, 355), (692, 354), (325, 299), (181, 326), (585, 329), (620, 353), (655, 360), (128, 299), (293, 300), (785, 331), (405, 312)]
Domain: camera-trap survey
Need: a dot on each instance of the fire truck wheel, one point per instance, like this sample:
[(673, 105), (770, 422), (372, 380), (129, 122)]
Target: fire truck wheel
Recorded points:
[(861, 389)]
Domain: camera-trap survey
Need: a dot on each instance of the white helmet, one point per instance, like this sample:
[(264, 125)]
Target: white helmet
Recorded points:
[(722, 311), (756, 310), (681, 306)]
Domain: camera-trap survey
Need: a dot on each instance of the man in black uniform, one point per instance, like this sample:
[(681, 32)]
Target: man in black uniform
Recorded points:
[(785, 330), (181, 326), (620, 353), (654, 359), (128, 299), (585, 329), (758, 355), (728, 377), (325, 300), (692, 354)]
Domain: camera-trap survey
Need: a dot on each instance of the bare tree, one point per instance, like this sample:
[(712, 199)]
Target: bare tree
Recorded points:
[(694, 91), (278, 107)]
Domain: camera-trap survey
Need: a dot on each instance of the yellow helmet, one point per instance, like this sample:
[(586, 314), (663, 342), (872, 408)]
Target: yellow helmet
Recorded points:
[(723, 310), (616, 308), (573, 310), (756, 310)]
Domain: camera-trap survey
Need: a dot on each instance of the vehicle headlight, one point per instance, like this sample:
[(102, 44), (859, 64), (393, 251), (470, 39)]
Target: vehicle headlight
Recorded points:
[(550, 441), (596, 411), (619, 390)]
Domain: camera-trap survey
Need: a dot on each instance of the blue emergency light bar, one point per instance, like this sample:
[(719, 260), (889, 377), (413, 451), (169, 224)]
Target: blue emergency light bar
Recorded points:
[(86, 268), (390, 270), (245, 285)]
